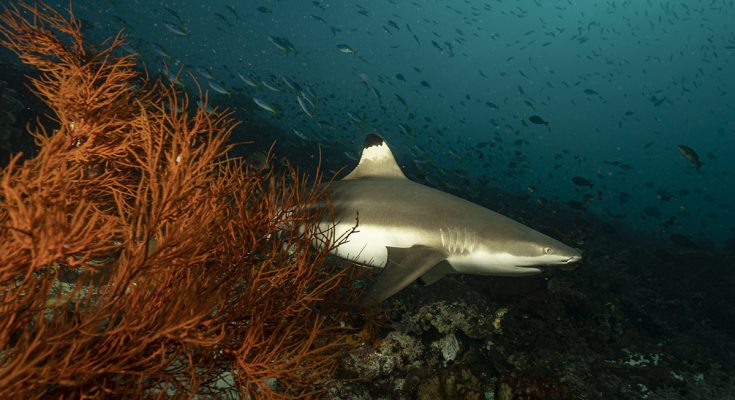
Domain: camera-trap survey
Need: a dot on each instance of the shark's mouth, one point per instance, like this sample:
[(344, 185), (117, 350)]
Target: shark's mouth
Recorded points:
[(572, 259), (570, 264)]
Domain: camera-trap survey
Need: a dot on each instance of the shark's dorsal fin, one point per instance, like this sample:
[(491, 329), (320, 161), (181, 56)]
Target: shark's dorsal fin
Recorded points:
[(376, 160)]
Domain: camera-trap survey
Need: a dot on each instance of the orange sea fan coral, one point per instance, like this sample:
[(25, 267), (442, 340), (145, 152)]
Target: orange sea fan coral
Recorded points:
[(137, 259)]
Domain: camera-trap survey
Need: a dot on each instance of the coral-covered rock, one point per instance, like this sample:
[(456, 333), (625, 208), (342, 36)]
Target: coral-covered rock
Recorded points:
[(457, 383), (529, 386)]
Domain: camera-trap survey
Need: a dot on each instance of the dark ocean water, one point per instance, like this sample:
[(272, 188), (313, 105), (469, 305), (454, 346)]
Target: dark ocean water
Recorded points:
[(607, 124), (452, 85)]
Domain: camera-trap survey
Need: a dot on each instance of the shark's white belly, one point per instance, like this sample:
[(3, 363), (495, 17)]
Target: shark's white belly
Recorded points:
[(368, 245)]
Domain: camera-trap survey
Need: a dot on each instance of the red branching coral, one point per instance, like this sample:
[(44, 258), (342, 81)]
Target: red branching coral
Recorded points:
[(137, 259)]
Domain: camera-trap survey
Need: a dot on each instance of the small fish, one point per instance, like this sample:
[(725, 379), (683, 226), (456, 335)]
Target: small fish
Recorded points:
[(291, 84), (377, 95), (356, 120), (425, 84), (175, 29), (400, 77), (327, 125), (304, 107), (207, 108), (173, 78), (299, 134), (407, 130), (248, 81), (160, 50), (264, 10), (402, 101), (232, 11), (217, 87), (309, 93), (590, 91), (283, 44), (223, 19), (273, 109), (364, 79), (343, 48), (690, 155), (129, 49), (269, 86), (173, 13), (579, 181), (538, 120), (204, 73), (307, 98)]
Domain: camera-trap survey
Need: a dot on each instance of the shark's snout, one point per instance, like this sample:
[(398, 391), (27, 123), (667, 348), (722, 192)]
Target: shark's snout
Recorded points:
[(571, 262)]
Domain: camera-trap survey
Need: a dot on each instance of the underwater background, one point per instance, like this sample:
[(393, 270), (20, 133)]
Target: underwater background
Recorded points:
[(452, 86), (608, 124)]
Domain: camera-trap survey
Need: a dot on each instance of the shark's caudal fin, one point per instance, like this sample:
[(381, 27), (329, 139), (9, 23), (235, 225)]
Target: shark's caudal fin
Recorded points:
[(376, 160)]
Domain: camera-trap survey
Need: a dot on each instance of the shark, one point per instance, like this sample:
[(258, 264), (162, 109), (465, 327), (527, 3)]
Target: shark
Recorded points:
[(413, 231)]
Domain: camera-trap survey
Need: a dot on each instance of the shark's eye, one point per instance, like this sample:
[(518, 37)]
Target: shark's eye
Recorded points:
[(548, 250)]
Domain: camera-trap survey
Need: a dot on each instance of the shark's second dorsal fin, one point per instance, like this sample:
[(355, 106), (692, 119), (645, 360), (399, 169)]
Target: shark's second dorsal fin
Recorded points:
[(376, 160)]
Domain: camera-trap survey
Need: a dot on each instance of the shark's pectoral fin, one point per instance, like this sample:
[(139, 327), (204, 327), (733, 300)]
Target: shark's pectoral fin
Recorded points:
[(404, 266), (436, 273)]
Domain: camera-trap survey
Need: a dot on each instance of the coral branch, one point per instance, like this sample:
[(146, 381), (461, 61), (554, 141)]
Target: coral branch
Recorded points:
[(137, 259)]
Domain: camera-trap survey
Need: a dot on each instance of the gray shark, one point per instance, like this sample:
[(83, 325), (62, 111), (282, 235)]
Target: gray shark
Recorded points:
[(414, 231)]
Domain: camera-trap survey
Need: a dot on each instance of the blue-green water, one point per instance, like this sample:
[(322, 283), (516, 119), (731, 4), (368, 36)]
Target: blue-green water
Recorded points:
[(462, 91), (451, 85)]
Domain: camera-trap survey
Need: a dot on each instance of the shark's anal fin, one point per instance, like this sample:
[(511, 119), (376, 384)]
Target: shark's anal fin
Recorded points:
[(404, 266)]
